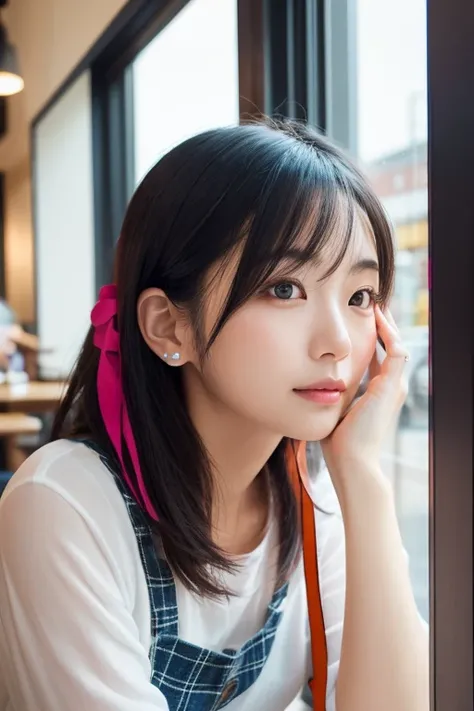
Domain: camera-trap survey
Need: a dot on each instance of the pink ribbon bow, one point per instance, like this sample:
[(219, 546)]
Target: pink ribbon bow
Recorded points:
[(110, 393)]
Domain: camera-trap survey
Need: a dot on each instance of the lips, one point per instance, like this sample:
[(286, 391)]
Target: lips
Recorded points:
[(324, 392), (328, 384)]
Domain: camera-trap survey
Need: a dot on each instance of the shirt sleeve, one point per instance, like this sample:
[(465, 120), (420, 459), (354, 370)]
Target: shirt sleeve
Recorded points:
[(67, 640)]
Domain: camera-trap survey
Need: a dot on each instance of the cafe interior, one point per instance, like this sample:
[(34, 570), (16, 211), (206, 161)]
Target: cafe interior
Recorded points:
[(27, 403), (92, 94)]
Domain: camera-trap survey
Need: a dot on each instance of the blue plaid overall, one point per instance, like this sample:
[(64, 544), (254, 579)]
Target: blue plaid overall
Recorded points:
[(192, 678)]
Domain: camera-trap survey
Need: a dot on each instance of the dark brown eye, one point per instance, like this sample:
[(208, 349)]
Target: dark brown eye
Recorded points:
[(363, 299)]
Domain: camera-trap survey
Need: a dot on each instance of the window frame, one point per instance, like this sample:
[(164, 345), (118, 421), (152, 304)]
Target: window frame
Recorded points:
[(451, 251)]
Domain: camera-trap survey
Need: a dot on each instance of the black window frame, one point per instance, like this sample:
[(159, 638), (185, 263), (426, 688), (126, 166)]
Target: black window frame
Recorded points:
[(451, 248), (295, 58)]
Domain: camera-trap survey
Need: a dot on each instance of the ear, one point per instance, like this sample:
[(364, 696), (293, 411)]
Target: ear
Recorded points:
[(165, 327)]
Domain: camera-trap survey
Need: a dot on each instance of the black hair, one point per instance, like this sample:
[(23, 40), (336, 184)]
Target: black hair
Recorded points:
[(257, 188)]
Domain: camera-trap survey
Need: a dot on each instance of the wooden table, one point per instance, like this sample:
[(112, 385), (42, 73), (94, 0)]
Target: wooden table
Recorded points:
[(12, 425), (15, 400), (35, 396), (16, 423)]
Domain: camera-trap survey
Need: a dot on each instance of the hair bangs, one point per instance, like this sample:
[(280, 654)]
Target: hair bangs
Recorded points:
[(382, 234), (304, 216)]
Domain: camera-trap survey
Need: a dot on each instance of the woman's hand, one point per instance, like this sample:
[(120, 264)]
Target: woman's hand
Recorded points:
[(357, 441)]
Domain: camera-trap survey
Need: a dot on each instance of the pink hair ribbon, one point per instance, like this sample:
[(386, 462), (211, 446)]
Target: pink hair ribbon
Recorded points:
[(110, 392)]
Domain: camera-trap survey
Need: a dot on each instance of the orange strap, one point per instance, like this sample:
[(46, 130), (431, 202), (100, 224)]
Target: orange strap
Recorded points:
[(297, 470)]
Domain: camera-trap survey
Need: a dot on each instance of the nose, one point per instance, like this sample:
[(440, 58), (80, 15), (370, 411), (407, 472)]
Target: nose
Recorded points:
[(330, 338)]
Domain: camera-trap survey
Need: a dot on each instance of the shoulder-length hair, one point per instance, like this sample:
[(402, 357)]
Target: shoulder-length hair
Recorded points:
[(255, 188)]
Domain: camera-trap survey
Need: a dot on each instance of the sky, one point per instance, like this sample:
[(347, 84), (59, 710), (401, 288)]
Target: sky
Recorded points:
[(186, 80), (391, 71)]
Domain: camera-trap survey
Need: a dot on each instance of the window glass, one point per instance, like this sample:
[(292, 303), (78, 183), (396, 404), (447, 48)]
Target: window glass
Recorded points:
[(186, 80), (390, 115)]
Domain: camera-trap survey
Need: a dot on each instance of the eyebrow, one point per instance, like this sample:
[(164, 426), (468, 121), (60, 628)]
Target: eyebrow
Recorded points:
[(363, 265)]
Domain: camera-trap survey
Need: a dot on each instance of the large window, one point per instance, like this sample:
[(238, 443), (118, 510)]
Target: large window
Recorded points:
[(64, 226), (171, 71), (390, 115)]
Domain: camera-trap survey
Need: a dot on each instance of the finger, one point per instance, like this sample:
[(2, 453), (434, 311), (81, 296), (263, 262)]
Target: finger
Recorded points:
[(389, 316), (390, 335), (397, 354)]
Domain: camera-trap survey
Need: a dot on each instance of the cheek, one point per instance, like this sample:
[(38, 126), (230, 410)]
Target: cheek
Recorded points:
[(249, 356), (253, 340)]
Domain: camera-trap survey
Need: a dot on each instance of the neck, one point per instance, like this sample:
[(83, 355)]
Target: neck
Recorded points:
[(238, 451)]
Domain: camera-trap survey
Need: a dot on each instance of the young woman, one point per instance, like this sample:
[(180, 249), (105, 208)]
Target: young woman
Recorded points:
[(151, 553)]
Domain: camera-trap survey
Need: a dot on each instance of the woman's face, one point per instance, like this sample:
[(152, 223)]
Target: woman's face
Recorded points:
[(292, 358)]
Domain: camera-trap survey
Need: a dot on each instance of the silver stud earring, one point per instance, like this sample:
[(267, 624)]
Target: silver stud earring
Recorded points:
[(175, 356), (165, 355)]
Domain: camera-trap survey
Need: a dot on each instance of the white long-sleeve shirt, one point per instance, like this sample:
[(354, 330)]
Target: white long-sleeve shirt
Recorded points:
[(74, 605)]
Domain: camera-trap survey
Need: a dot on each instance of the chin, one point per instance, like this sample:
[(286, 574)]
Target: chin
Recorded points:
[(315, 428)]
